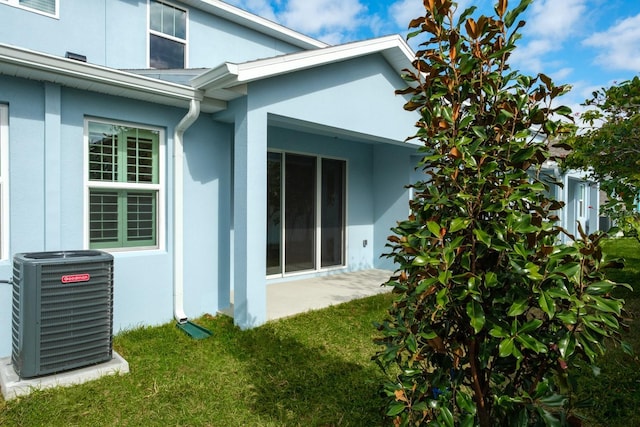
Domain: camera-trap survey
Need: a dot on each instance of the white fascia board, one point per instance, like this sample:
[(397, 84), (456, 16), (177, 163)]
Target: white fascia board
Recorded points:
[(393, 48), (257, 23), (33, 65)]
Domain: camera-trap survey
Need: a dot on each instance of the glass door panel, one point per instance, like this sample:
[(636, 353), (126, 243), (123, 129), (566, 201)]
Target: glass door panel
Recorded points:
[(332, 213), (274, 213), (300, 212)]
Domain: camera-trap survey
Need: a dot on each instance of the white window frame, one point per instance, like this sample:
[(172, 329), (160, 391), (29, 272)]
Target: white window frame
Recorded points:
[(16, 3), (167, 36), (159, 187), (4, 181)]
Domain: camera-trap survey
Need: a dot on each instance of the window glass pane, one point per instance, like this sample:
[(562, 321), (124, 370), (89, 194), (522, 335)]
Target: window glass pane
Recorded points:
[(332, 212), (300, 212), (165, 53), (274, 200), (103, 217), (141, 214), (48, 6), (155, 16), (169, 20), (180, 24), (141, 149), (103, 151)]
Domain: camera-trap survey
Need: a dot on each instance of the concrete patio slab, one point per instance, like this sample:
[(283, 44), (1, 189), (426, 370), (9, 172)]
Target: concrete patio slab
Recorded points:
[(13, 386), (298, 296)]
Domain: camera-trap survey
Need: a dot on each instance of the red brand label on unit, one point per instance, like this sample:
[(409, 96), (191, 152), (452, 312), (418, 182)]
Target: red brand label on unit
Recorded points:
[(74, 278)]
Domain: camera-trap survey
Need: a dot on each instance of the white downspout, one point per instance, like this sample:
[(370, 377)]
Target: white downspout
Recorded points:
[(178, 210)]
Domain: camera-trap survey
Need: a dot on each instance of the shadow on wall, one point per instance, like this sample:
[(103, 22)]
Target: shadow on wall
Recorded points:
[(208, 214)]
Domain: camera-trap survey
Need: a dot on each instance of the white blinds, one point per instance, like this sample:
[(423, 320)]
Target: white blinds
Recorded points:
[(47, 6)]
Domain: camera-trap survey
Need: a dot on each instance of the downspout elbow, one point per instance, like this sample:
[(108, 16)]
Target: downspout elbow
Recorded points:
[(178, 209)]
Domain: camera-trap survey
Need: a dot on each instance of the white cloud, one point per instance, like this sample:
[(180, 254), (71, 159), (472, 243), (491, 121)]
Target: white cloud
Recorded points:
[(320, 16), (404, 11), (549, 24), (619, 46), (556, 20), (561, 74)]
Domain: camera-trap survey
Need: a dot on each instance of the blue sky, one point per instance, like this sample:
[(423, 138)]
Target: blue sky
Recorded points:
[(588, 44)]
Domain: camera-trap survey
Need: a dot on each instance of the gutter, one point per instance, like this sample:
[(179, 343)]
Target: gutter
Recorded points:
[(178, 210)]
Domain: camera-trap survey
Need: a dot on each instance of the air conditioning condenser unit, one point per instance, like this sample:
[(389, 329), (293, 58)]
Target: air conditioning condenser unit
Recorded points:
[(62, 314)]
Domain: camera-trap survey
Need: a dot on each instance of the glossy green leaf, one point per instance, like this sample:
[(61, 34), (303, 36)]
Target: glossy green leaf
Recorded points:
[(553, 401), (490, 279), (480, 132), (549, 419), (498, 332), (442, 297), (607, 305), (568, 317), (594, 326), (476, 315), (412, 344), (529, 342), (434, 228), (601, 288), (420, 261), (446, 417), (569, 269), (395, 409), (468, 420), (567, 345), (459, 224), (506, 347), (482, 236), (532, 325), (518, 307), (547, 304), (465, 402)]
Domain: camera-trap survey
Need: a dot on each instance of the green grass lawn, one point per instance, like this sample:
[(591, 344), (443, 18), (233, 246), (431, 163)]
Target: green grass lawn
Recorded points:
[(309, 370), (615, 392)]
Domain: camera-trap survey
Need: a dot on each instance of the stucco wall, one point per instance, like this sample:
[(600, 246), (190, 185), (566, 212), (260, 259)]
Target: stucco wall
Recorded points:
[(115, 33), (47, 199)]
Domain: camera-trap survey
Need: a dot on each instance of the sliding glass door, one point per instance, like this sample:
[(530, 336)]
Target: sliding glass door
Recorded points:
[(305, 213)]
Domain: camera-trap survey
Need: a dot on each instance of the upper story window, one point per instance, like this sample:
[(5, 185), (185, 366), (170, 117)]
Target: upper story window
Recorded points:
[(49, 7), (167, 35), (124, 186)]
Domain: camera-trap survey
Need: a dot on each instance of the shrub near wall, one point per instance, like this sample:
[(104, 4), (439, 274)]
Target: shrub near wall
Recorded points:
[(490, 313)]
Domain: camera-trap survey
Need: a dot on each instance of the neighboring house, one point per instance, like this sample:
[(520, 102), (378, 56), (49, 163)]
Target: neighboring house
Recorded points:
[(207, 149), (580, 195)]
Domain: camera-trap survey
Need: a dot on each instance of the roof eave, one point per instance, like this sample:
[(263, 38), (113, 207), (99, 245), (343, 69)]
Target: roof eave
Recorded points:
[(23, 63), (229, 75)]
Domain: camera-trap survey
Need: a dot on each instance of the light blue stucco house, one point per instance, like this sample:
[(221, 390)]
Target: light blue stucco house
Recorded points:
[(207, 149)]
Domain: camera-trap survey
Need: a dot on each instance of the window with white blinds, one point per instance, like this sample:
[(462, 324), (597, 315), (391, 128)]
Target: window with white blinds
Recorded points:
[(123, 167), (50, 7)]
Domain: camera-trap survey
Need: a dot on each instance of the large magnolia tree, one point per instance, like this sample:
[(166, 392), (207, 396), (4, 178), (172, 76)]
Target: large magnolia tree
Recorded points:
[(490, 312)]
